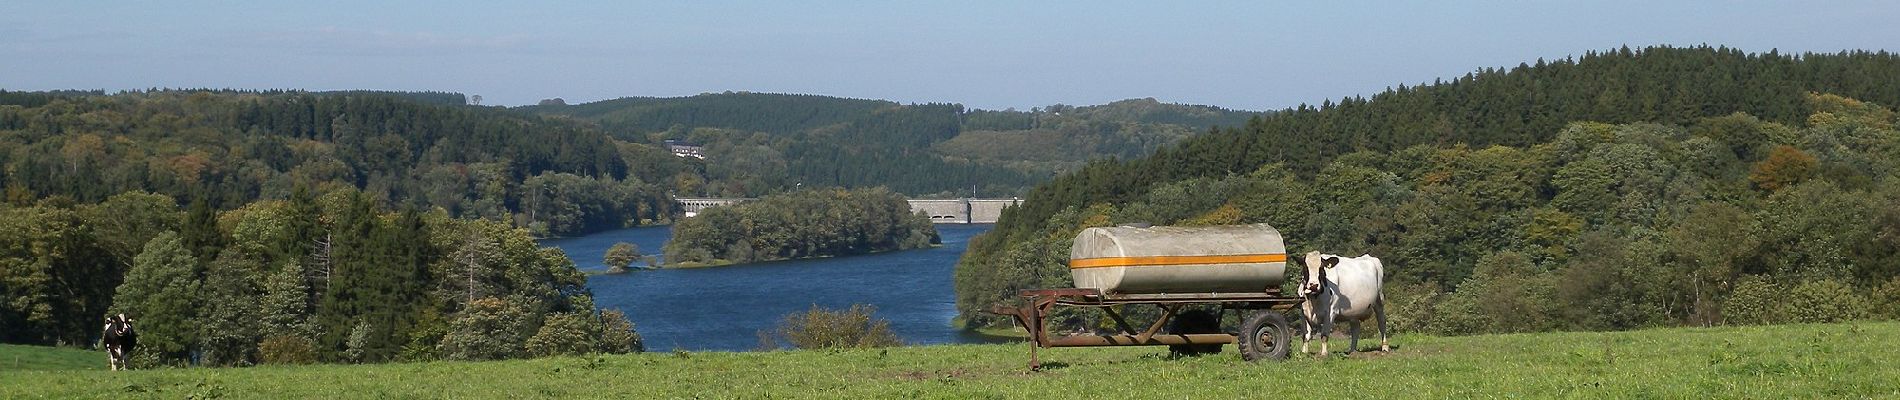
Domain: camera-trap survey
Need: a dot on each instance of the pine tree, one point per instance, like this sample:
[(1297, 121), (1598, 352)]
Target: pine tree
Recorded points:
[(200, 231), (353, 261)]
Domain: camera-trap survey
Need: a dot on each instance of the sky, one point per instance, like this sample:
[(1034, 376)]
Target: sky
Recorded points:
[(1253, 55)]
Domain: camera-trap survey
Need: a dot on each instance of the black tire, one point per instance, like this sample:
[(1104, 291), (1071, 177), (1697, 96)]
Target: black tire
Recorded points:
[(1264, 336), (1193, 322)]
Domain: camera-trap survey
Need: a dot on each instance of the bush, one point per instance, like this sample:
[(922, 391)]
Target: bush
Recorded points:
[(617, 335), (1755, 301), (1513, 293), (1409, 308), (821, 328), (359, 339), (1505, 293), (564, 334), (1886, 300), (146, 358), (1822, 301), (489, 329), (287, 350), (1458, 314)]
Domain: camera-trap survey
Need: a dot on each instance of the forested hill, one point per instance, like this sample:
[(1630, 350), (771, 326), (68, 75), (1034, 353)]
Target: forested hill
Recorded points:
[(1616, 190), (229, 148), (758, 112), (758, 143), (1520, 106)]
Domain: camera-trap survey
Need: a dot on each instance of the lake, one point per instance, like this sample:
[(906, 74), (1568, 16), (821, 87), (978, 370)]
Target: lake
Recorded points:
[(724, 308)]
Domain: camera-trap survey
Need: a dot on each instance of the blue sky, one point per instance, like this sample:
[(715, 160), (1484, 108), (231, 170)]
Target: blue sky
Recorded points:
[(1246, 55)]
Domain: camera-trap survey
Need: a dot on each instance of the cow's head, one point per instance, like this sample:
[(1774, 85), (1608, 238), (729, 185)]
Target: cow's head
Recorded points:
[(119, 324), (1315, 272)]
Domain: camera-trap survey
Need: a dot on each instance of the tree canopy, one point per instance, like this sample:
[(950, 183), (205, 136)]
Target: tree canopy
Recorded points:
[(1622, 189), (803, 224)]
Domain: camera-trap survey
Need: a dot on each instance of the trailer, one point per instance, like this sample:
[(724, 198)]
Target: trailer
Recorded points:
[(1234, 268)]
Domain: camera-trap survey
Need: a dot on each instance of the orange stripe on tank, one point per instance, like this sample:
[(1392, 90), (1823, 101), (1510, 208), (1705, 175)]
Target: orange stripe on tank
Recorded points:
[(1151, 261)]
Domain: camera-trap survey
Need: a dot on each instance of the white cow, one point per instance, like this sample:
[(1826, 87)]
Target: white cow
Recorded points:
[(1342, 288)]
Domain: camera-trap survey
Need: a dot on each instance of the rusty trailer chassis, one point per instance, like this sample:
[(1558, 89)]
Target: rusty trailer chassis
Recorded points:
[(1265, 327)]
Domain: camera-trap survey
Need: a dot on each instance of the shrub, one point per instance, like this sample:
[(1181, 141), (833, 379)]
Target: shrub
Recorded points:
[(489, 329), (617, 335), (1410, 307), (1505, 293), (1512, 293), (284, 349), (1459, 314), (821, 328), (1755, 300), (1820, 301), (359, 339), (1886, 300), (564, 334)]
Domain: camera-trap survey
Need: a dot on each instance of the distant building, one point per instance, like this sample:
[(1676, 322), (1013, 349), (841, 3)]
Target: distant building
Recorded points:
[(683, 149)]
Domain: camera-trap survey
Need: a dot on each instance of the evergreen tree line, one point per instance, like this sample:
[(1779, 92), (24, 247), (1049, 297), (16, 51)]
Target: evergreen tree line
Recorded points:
[(752, 112), (231, 148), (1730, 219), (800, 224), (334, 277)]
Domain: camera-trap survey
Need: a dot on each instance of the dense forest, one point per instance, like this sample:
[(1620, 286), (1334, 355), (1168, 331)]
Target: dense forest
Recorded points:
[(353, 226), (800, 224), (331, 277), (230, 148), (1621, 189), (759, 144)]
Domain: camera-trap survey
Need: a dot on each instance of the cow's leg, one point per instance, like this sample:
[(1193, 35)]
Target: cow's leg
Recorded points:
[(1306, 337), (1325, 336), (1354, 342), (1378, 310)]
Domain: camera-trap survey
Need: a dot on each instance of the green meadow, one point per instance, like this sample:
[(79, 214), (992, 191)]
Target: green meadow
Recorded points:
[(1851, 360)]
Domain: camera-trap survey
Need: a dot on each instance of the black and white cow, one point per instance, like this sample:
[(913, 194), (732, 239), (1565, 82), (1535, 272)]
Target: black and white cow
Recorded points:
[(1347, 289), (119, 339)]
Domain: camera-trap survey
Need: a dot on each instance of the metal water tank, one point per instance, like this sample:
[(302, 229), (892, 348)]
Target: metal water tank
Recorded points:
[(1179, 259)]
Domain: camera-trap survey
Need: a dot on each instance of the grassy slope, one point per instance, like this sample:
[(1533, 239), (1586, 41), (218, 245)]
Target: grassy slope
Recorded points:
[(36, 358), (1842, 360)]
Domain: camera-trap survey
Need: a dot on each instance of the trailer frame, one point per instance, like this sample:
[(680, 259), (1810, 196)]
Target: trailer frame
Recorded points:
[(1032, 317)]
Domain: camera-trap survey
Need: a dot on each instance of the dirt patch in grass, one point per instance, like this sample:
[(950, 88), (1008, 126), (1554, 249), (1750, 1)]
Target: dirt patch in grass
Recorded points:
[(1374, 354)]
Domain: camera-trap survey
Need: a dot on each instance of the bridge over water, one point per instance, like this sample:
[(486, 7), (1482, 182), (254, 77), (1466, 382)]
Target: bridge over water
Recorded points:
[(942, 211)]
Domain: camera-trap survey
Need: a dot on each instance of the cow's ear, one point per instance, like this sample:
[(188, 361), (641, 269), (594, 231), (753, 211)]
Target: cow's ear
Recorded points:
[(1329, 262)]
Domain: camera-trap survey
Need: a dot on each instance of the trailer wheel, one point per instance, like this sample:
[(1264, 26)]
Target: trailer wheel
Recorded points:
[(1193, 322), (1264, 336)]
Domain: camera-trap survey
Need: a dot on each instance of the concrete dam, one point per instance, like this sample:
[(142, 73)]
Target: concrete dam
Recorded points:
[(944, 211)]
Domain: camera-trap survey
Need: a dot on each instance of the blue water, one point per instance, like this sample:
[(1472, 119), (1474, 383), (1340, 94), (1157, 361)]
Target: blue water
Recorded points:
[(724, 308)]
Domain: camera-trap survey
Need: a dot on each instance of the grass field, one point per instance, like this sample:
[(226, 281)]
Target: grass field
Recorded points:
[(1799, 361), (34, 358)]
